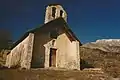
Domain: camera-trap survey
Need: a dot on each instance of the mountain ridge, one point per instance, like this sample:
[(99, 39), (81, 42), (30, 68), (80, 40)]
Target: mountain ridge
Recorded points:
[(107, 45)]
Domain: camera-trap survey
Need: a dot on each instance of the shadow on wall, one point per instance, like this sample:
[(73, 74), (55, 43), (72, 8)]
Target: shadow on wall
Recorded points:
[(44, 35), (85, 64)]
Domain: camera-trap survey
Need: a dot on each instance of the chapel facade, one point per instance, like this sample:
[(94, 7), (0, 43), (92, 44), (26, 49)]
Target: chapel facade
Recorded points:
[(52, 44)]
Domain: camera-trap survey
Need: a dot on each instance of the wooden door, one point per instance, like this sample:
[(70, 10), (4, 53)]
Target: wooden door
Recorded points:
[(52, 59)]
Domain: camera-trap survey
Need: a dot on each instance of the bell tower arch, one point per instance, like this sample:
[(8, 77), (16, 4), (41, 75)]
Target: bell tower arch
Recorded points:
[(54, 11)]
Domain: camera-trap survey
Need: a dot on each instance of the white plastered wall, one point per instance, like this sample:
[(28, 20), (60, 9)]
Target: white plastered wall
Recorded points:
[(21, 55), (67, 54)]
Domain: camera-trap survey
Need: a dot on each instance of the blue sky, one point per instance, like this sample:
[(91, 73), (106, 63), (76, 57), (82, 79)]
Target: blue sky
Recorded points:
[(89, 19)]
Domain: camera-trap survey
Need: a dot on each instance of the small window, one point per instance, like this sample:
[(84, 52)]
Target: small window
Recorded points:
[(61, 13), (53, 11), (53, 42), (53, 34)]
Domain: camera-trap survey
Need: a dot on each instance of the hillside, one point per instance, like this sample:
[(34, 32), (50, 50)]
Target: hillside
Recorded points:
[(108, 61)]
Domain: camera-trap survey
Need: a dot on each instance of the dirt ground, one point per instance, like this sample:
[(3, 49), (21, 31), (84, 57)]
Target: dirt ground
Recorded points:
[(48, 74)]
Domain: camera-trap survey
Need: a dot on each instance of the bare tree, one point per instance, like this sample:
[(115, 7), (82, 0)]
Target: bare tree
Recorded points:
[(5, 39)]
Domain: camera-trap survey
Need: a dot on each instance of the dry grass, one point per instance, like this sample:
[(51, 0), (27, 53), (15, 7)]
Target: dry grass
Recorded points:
[(47, 74)]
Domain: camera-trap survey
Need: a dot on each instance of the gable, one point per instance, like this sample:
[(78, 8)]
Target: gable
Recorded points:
[(57, 22)]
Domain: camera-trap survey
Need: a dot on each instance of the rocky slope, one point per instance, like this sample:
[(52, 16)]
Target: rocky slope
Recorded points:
[(108, 45), (109, 62), (103, 54)]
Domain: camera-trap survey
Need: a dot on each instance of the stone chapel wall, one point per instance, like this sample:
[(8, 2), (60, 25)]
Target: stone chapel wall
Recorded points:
[(20, 56), (67, 53)]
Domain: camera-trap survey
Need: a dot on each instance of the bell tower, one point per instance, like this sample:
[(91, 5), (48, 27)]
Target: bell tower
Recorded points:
[(54, 11)]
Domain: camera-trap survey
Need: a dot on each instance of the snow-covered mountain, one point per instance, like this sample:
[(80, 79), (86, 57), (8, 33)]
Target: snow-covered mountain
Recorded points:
[(108, 45)]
